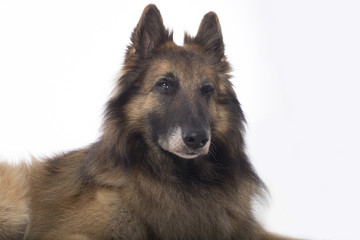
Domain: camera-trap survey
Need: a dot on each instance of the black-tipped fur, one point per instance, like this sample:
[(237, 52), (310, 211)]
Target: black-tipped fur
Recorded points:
[(209, 36), (130, 184)]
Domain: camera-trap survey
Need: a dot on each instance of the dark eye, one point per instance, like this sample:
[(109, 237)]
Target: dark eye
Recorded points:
[(207, 89), (167, 84), (163, 85)]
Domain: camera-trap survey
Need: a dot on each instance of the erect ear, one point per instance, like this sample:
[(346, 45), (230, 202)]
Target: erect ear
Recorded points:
[(149, 33), (209, 35)]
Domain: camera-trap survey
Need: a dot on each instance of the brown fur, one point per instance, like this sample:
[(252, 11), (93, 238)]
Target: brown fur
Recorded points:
[(124, 186), (14, 212)]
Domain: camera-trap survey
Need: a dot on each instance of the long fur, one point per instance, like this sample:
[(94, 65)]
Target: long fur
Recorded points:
[(124, 186)]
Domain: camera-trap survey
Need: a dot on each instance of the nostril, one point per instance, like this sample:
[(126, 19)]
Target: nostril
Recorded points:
[(204, 141), (189, 139)]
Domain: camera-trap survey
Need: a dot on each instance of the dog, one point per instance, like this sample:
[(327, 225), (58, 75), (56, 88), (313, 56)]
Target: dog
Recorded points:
[(170, 163)]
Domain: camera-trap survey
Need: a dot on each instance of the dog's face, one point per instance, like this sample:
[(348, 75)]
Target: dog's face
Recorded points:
[(174, 93), (180, 89)]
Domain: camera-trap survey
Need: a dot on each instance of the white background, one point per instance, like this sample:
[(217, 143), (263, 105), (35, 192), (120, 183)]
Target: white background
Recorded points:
[(296, 71)]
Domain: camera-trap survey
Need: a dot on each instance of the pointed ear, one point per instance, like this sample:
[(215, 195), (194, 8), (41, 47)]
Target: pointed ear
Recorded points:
[(149, 33), (209, 35)]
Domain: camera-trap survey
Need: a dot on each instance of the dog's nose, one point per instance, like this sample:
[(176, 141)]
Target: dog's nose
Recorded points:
[(195, 138)]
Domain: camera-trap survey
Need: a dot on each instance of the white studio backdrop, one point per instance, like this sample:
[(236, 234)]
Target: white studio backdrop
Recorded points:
[(296, 72)]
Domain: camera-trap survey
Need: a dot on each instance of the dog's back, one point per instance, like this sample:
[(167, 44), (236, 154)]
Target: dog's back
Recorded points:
[(14, 212)]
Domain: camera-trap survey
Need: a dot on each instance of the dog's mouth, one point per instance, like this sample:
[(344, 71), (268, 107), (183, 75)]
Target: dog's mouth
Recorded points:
[(190, 155), (174, 144)]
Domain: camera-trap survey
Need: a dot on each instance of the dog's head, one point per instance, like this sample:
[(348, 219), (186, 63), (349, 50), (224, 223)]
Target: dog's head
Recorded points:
[(174, 98)]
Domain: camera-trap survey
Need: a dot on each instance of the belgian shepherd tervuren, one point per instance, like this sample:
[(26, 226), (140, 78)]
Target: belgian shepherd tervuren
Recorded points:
[(170, 163)]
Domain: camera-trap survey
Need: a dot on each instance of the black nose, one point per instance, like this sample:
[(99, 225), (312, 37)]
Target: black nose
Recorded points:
[(195, 138)]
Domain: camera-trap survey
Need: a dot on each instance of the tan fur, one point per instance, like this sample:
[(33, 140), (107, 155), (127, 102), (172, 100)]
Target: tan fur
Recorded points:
[(14, 210), (125, 186), (85, 217)]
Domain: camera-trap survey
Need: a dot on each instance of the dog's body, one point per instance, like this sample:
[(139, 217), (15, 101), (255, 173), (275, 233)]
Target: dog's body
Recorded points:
[(169, 165)]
